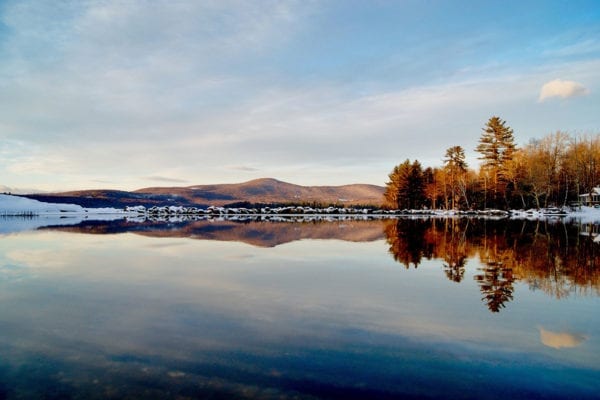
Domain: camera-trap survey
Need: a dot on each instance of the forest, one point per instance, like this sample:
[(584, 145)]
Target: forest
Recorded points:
[(552, 171)]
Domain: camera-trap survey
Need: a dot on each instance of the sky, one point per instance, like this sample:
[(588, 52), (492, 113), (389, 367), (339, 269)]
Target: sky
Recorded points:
[(129, 94)]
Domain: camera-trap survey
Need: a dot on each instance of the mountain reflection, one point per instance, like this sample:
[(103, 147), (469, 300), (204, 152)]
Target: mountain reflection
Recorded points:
[(261, 233), (556, 258)]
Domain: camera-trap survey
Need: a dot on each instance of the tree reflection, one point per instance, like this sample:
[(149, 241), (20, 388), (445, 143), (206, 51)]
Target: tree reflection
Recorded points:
[(496, 286), (455, 249), (407, 241), (455, 271), (557, 258)]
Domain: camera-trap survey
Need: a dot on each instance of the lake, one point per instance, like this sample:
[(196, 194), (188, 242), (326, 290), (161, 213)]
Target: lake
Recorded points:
[(300, 309)]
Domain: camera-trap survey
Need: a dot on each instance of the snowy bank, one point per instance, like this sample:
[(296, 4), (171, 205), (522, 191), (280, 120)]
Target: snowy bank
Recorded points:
[(21, 206), (24, 207), (19, 214), (587, 215)]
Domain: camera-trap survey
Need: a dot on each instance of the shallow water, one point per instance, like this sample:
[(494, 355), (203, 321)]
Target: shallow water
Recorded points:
[(345, 309)]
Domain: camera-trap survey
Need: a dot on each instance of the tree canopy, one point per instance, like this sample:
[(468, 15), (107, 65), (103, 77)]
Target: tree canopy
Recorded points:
[(406, 187)]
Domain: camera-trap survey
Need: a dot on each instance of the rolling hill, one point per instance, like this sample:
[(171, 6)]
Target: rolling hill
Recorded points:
[(258, 191)]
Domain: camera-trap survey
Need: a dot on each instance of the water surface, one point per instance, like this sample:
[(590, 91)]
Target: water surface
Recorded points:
[(435, 308)]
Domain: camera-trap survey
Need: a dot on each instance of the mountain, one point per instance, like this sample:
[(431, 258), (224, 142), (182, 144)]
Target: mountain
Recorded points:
[(258, 191), (268, 190)]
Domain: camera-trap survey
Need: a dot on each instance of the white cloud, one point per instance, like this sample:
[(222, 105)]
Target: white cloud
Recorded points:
[(562, 89)]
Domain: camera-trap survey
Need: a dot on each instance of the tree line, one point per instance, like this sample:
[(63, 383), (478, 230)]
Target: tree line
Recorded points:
[(552, 171)]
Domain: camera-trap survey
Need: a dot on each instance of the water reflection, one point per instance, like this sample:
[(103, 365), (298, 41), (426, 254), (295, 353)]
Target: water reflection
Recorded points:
[(262, 233), (551, 256), (232, 309), (558, 340), (496, 286), (554, 257)]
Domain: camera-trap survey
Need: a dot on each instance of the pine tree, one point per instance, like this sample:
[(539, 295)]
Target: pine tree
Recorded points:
[(456, 166), (392, 188), (430, 186), (496, 146), (416, 186), (404, 184)]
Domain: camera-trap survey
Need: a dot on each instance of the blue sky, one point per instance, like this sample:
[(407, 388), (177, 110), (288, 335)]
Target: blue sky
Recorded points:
[(129, 94)]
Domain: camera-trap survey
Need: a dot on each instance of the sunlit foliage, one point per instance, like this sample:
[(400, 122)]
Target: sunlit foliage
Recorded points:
[(552, 171)]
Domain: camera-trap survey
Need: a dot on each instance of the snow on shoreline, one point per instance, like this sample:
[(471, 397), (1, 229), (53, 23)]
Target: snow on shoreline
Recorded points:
[(22, 206), (586, 215), (18, 214), (16, 206)]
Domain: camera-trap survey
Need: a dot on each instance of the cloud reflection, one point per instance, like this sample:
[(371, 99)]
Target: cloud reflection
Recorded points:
[(219, 316), (559, 340)]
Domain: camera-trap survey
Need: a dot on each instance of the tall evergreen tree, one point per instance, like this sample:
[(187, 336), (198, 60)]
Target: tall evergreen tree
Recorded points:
[(456, 166), (392, 187), (430, 186), (416, 186), (496, 146)]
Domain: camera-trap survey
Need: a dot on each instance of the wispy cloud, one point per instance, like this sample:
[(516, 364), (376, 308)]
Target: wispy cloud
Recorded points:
[(165, 179), (114, 91), (243, 168), (578, 48), (563, 89)]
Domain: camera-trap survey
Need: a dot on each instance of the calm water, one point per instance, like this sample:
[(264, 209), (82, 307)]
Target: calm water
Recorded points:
[(463, 309)]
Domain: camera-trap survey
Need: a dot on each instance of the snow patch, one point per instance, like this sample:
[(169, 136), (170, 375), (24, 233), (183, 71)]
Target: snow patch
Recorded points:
[(15, 205)]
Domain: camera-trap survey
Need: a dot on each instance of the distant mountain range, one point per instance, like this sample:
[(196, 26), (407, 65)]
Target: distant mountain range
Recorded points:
[(258, 191)]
